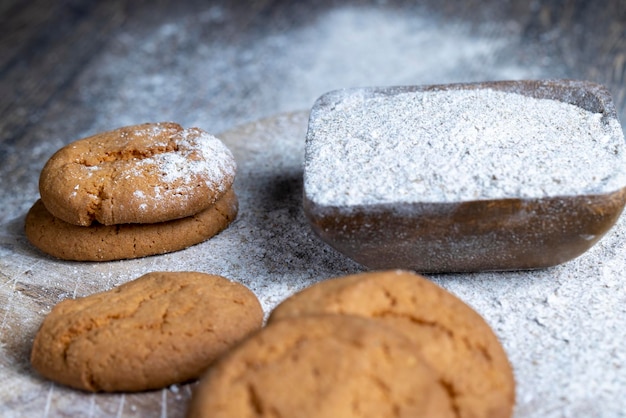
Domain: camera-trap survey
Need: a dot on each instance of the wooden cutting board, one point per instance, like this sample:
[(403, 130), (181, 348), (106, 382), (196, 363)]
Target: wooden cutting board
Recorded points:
[(561, 327)]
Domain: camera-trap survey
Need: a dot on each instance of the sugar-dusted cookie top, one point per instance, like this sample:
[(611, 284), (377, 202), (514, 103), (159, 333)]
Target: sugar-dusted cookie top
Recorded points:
[(146, 173), (160, 329)]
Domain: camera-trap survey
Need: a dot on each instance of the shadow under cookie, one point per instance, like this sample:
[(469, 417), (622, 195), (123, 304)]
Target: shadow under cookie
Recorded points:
[(116, 242)]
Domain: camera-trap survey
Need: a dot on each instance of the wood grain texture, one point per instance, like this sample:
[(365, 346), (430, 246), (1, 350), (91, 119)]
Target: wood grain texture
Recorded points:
[(45, 45)]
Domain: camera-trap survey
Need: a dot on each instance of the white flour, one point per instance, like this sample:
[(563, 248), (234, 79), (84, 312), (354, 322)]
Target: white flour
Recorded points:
[(458, 145)]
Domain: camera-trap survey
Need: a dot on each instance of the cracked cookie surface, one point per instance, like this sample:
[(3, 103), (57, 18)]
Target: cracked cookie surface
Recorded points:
[(453, 338), (146, 173), (160, 329), (321, 366), (116, 242)]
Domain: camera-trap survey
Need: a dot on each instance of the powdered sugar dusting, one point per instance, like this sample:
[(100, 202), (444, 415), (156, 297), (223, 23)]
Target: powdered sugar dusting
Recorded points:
[(196, 154), (198, 159), (452, 145), (158, 170)]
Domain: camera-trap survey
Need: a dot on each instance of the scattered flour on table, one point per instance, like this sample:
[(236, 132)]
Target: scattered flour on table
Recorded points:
[(187, 71), (445, 146)]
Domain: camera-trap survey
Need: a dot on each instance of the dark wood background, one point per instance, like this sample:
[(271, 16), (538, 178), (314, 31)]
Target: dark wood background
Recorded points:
[(45, 45)]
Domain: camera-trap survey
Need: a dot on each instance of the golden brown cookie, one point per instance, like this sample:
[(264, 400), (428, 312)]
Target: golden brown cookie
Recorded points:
[(452, 337), (115, 242), (321, 366), (147, 173), (160, 329)]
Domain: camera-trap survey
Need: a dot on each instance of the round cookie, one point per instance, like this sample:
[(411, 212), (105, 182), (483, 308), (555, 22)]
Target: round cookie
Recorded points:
[(147, 173), (160, 329), (321, 366), (115, 242), (452, 337)]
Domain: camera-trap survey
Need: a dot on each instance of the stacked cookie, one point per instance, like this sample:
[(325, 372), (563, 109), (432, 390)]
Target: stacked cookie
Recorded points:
[(377, 344), (131, 192)]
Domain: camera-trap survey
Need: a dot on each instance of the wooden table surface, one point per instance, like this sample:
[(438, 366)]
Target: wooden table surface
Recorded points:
[(73, 68)]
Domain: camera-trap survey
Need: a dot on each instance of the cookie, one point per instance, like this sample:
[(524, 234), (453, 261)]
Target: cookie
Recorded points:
[(160, 329), (504, 175), (115, 242), (321, 366), (149, 173), (453, 339)]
